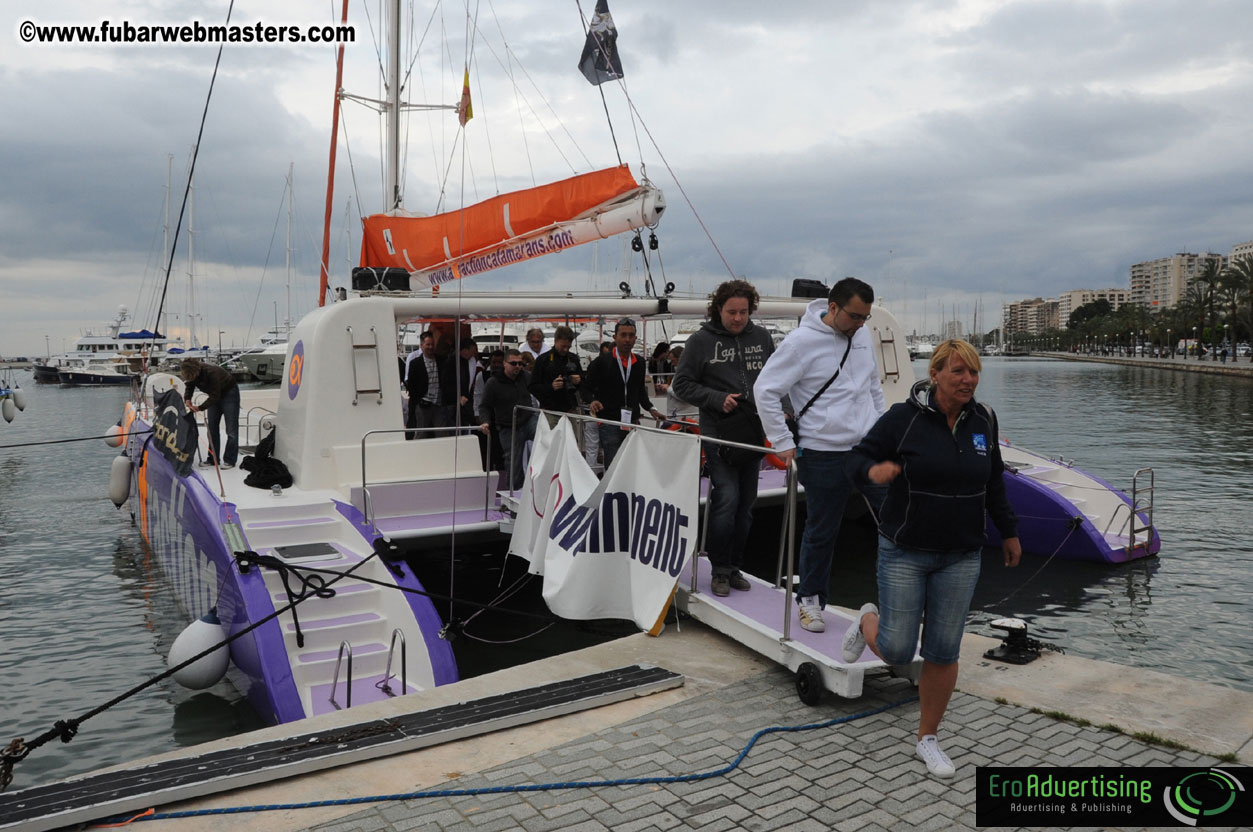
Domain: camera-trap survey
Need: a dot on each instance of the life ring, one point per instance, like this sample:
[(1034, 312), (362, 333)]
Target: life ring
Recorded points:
[(773, 460)]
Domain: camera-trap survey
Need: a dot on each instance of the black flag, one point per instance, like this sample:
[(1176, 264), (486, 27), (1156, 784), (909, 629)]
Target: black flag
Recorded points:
[(174, 432), (600, 61)]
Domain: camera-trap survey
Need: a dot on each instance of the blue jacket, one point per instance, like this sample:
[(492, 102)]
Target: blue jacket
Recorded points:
[(948, 478)]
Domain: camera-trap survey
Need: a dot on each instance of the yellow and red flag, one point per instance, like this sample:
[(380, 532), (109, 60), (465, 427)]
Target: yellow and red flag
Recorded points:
[(465, 112)]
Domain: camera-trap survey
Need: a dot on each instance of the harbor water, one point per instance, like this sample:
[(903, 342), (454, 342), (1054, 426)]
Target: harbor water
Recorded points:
[(85, 616)]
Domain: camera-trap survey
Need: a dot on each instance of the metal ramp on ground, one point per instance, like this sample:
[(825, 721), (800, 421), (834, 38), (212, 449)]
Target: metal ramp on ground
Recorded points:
[(194, 775)]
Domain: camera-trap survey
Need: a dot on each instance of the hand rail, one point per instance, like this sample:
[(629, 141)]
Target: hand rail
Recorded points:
[(404, 665), (343, 645)]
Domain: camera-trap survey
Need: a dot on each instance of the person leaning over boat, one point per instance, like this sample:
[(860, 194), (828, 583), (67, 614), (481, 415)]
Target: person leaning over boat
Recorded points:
[(831, 339), (616, 383), (716, 374), (222, 403), (939, 454), (505, 391)]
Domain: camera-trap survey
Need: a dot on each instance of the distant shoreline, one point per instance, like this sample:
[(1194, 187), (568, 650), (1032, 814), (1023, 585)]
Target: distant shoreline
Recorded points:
[(1191, 365)]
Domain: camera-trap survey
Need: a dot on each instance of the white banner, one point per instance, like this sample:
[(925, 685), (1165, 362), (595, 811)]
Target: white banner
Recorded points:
[(612, 548)]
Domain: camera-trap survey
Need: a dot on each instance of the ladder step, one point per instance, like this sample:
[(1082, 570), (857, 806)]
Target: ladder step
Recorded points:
[(365, 346)]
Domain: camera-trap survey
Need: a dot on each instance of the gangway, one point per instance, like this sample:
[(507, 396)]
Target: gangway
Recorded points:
[(766, 619)]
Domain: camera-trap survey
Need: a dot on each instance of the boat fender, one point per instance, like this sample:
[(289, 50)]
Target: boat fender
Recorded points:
[(19, 398), (113, 436), (199, 636), (8, 409), (120, 480)]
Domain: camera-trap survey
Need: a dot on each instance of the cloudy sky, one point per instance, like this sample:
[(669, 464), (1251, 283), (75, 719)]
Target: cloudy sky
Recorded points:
[(949, 153)]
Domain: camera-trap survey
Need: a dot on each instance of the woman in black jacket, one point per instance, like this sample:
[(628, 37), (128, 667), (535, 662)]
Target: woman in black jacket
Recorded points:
[(939, 453)]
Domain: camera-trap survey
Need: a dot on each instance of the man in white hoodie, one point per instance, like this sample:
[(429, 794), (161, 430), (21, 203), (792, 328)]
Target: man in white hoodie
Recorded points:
[(833, 417)]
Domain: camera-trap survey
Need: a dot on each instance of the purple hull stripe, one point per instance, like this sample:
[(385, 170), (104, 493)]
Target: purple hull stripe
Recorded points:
[(764, 605), (340, 621)]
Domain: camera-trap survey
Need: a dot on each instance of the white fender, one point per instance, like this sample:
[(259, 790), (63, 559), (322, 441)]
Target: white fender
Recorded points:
[(120, 480), (199, 636), (113, 436), (8, 409), (19, 398)]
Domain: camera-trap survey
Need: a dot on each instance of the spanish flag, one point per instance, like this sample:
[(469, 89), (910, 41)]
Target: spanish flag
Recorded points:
[(464, 111)]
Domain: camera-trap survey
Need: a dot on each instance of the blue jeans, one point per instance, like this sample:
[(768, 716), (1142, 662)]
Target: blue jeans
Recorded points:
[(611, 439), (516, 441), (827, 488), (227, 407), (732, 492), (913, 586)]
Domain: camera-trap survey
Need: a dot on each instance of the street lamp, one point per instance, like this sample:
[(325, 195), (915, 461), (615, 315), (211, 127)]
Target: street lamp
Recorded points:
[(1170, 348), (220, 332), (1197, 342), (48, 348), (1227, 342)]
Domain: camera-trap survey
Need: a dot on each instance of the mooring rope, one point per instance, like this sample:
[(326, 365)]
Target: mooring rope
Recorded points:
[(76, 439)]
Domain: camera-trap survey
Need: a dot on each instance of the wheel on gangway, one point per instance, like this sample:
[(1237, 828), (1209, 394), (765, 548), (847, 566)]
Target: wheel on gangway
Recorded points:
[(809, 683)]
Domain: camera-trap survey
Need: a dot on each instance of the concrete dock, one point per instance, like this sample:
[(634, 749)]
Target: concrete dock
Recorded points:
[(1232, 368), (859, 775)]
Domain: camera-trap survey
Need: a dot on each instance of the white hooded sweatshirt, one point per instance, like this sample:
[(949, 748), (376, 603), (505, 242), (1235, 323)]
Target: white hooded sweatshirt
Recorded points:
[(846, 410)]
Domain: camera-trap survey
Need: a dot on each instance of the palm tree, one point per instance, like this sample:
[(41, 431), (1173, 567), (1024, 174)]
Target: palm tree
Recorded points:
[(1201, 292), (1238, 280)]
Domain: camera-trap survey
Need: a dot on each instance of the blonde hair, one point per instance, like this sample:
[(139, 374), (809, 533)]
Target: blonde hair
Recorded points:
[(955, 347)]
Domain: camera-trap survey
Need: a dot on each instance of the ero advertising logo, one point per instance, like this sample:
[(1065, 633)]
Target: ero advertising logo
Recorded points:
[(1089, 796)]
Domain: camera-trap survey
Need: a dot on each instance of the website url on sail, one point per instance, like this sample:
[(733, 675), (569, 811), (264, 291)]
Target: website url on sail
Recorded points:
[(195, 32)]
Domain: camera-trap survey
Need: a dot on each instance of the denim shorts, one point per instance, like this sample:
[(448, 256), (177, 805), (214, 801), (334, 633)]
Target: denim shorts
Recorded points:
[(915, 586)]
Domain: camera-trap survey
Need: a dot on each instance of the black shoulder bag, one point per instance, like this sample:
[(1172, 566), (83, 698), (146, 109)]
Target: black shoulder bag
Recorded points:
[(794, 423)]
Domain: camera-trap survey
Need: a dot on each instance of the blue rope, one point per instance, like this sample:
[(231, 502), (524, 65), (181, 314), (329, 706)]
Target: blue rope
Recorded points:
[(538, 787)]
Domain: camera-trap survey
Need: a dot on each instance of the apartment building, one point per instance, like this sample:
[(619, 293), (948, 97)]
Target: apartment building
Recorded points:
[(1068, 302), (1241, 250), (1162, 283), (1029, 317)]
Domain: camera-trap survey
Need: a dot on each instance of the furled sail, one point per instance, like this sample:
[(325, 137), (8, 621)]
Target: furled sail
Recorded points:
[(511, 228)]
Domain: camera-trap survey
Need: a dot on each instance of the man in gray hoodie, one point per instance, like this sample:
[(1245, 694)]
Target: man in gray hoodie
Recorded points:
[(720, 363), (830, 338)]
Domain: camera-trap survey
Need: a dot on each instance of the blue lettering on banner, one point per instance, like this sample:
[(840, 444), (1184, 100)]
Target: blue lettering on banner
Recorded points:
[(651, 531), (981, 443)]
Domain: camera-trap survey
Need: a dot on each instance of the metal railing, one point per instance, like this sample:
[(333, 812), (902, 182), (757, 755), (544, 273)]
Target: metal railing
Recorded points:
[(343, 645), (404, 665)]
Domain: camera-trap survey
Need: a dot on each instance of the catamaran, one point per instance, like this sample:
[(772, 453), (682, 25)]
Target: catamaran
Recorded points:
[(298, 558)]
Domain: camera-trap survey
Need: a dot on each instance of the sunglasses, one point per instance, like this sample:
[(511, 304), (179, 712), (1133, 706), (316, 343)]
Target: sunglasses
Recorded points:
[(514, 363)]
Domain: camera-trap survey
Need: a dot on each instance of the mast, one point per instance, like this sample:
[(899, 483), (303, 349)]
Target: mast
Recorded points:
[(191, 272), (391, 191), (291, 193), (324, 278)]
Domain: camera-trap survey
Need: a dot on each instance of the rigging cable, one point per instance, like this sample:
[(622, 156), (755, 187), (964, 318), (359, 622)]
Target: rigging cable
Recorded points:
[(204, 116)]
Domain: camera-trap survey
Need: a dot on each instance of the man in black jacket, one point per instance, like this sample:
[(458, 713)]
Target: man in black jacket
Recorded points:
[(422, 382), (506, 390), (558, 375), (616, 383)]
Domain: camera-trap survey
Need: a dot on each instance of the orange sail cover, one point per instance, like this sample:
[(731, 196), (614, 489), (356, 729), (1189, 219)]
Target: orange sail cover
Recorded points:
[(441, 243)]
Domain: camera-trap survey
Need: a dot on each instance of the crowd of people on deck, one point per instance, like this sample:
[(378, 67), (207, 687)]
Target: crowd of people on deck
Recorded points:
[(929, 468)]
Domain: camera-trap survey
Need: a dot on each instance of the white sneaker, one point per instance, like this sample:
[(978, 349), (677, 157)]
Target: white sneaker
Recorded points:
[(937, 761), (854, 642), (811, 614)]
